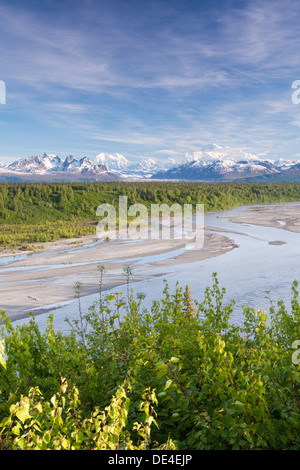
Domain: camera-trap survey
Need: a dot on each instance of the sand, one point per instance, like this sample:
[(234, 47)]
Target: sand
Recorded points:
[(285, 216), (48, 276)]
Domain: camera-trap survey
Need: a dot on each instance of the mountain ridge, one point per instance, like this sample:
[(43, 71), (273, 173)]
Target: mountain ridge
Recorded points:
[(211, 163)]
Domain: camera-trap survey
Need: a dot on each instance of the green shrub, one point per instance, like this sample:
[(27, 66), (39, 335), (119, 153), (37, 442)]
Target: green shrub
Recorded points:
[(165, 378)]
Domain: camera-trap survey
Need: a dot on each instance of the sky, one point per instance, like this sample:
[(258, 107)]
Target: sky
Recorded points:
[(148, 78)]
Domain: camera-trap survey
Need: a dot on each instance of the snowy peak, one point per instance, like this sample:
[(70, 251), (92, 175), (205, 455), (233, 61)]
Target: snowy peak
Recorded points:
[(112, 162), (86, 165), (39, 164), (147, 164), (211, 147), (52, 162), (215, 152), (70, 162)]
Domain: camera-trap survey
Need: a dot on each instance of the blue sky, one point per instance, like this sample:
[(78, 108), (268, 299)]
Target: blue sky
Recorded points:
[(148, 78)]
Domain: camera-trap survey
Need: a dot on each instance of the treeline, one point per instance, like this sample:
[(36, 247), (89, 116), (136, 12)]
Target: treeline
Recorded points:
[(41, 212), (180, 375)]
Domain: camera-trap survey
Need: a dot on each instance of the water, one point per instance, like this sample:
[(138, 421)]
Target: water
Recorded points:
[(248, 272)]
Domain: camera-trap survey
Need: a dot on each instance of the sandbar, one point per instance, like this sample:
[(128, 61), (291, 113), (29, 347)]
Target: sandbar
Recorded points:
[(285, 216), (33, 281)]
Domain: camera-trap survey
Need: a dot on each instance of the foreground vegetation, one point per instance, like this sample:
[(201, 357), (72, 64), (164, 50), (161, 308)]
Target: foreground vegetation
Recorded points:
[(44, 212), (180, 376)]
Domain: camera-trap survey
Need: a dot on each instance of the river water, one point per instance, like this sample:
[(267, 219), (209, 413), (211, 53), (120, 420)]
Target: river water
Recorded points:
[(247, 272)]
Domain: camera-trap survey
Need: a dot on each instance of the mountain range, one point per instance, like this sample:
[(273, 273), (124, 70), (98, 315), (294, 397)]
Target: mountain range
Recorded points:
[(211, 163)]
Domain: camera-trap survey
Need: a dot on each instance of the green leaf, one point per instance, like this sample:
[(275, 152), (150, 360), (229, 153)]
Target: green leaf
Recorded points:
[(6, 421), (2, 354), (168, 383), (23, 414), (174, 360), (47, 437), (227, 420), (16, 430), (39, 407), (160, 365)]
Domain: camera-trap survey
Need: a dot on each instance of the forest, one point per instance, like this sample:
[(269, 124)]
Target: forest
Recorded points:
[(35, 213)]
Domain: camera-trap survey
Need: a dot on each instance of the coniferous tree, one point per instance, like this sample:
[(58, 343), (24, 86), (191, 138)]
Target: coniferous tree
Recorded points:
[(189, 308)]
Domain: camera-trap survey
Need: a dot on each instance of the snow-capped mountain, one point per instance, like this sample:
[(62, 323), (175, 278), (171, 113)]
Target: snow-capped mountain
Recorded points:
[(112, 162), (39, 164), (211, 163), (51, 167), (215, 163), (147, 164), (219, 170), (144, 168)]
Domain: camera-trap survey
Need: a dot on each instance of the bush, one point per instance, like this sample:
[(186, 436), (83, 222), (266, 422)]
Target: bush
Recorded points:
[(178, 376)]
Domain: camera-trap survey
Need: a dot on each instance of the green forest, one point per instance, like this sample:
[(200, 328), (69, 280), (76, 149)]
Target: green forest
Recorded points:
[(32, 213), (179, 376)]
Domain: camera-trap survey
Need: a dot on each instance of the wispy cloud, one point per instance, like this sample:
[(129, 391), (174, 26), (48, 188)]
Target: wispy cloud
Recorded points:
[(40, 53), (166, 76)]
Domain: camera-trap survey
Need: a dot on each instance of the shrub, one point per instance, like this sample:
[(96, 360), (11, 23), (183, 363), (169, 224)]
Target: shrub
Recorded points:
[(199, 381)]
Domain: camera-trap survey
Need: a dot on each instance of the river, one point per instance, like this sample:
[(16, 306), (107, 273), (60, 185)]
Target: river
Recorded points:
[(247, 272)]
